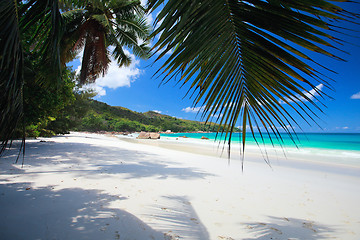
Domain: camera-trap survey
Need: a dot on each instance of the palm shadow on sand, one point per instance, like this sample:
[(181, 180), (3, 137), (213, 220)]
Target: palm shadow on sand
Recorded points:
[(106, 160), (288, 228), (66, 214), (76, 213)]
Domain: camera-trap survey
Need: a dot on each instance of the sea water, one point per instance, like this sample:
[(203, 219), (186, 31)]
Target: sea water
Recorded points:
[(335, 141), (341, 148)]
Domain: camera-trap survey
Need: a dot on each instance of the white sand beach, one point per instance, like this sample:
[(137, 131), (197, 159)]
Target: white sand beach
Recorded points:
[(92, 186)]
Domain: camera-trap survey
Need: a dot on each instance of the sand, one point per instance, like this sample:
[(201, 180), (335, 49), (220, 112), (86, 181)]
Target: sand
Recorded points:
[(91, 186)]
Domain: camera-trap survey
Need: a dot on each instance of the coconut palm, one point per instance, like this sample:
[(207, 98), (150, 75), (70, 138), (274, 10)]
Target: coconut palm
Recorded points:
[(248, 61), (93, 26)]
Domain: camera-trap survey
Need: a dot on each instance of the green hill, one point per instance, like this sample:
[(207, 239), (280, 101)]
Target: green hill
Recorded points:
[(103, 117)]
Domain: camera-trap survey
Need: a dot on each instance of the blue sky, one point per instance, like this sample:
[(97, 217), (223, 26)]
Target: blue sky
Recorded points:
[(135, 88)]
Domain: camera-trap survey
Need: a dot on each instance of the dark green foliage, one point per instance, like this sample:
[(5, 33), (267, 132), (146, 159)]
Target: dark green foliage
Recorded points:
[(44, 103), (102, 117), (13, 24), (71, 116)]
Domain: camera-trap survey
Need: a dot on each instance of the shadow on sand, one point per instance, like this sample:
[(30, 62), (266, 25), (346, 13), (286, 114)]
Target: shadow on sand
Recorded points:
[(179, 219), (76, 213), (288, 228), (66, 214), (108, 160)]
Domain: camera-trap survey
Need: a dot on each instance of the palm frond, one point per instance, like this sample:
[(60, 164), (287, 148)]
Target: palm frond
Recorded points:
[(132, 29), (41, 22), (243, 59), (46, 38), (126, 7), (11, 67), (95, 58), (73, 38)]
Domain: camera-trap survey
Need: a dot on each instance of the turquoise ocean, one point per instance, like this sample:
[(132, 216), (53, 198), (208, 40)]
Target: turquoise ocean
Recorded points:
[(333, 141), (329, 148)]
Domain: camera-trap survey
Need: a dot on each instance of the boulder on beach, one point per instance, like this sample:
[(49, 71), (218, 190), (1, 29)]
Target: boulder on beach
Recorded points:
[(148, 135), (143, 135), (204, 138), (154, 135)]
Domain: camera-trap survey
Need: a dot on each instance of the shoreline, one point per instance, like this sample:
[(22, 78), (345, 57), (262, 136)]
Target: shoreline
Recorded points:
[(277, 157), (93, 186)]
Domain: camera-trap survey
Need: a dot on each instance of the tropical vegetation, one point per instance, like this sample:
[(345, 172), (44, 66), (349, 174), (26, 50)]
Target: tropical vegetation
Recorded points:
[(75, 110), (102, 117), (244, 61), (38, 38)]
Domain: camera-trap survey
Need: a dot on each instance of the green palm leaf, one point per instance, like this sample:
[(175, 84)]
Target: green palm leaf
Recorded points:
[(239, 58), (11, 77), (41, 22)]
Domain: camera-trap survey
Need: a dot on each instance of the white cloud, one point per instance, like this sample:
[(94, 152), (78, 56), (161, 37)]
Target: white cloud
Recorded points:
[(310, 94), (202, 108), (356, 96), (193, 110), (119, 77), (247, 127), (116, 77), (157, 111), (287, 127), (99, 90), (217, 115), (314, 92), (343, 128)]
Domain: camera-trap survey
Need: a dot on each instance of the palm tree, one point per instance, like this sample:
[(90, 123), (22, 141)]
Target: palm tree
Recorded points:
[(51, 33), (93, 26), (242, 60)]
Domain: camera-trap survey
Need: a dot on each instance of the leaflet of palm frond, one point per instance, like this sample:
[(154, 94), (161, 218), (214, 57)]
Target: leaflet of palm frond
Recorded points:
[(244, 59), (95, 59), (127, 7), (11, 77), (67, 5), (73, 38), (45, 39)]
